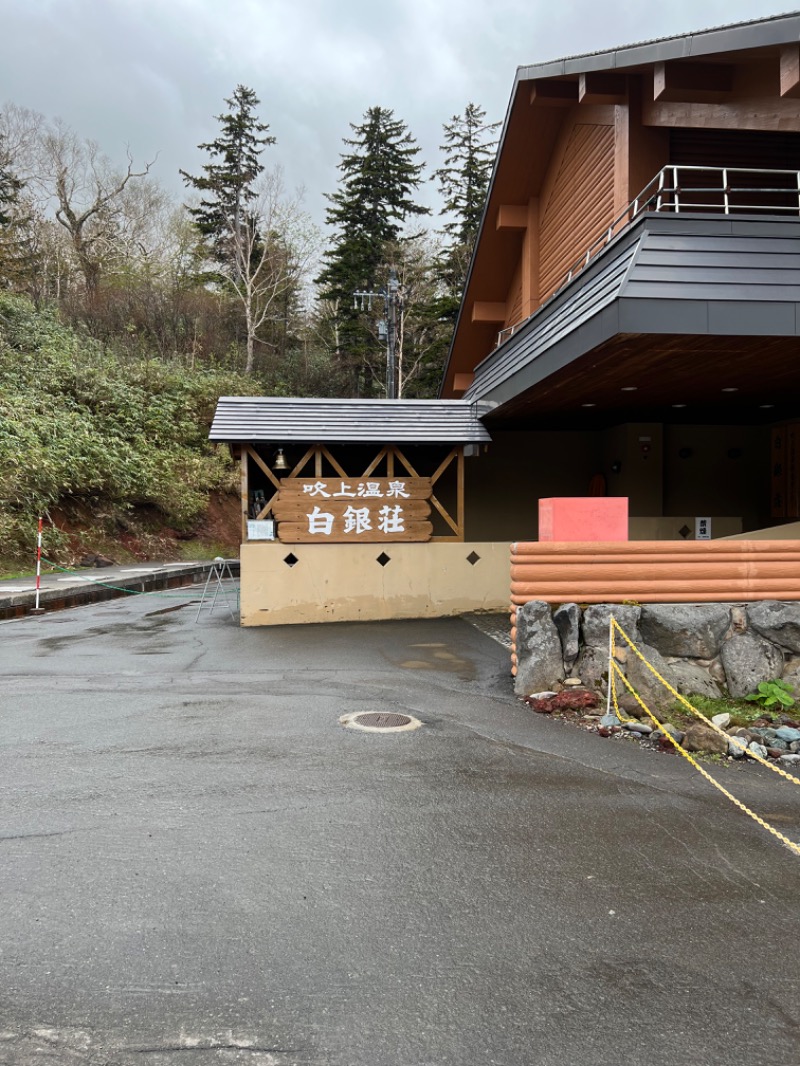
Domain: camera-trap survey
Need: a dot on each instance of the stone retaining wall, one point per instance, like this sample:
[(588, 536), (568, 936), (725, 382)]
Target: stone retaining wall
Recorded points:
[(707, 648)]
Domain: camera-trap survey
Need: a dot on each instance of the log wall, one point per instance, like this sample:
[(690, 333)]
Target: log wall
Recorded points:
[(716, 571)]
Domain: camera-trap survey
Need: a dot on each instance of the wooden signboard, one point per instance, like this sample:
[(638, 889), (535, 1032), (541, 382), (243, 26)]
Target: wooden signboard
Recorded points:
[(335, 511)]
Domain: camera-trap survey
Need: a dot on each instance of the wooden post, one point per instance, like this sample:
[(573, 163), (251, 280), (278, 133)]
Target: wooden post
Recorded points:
[(245, 493), (460, 494)]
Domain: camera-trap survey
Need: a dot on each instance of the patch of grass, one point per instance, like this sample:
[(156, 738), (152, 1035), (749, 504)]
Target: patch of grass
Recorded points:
[(742, 713)]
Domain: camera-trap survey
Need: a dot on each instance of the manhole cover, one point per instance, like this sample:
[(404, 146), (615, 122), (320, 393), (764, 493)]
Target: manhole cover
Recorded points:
[(383, 721), (380, 721)]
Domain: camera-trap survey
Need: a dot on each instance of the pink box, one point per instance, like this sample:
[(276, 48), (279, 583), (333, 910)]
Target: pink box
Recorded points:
[(583, 518)]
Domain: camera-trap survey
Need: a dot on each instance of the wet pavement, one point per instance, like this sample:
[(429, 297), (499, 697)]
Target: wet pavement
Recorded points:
[(60, 588), (200, 865)]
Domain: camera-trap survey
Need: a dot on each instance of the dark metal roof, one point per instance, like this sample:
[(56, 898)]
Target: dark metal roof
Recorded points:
[(773, 30), (282, 419), (690, 274), (755, 33)]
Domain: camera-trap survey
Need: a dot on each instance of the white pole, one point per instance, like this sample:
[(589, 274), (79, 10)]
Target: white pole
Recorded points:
[(610, 664), (38, 563)]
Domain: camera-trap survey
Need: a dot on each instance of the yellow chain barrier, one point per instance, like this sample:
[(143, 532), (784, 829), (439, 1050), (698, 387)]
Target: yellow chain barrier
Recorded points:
[(615, 670)]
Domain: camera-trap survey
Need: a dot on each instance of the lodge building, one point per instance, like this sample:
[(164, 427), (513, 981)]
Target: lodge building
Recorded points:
[(630, 327)]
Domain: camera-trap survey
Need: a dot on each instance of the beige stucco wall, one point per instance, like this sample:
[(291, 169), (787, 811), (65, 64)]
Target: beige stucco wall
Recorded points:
[(344, 582)]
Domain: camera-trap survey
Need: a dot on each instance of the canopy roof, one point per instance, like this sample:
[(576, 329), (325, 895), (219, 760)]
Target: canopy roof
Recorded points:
[(282, 419)]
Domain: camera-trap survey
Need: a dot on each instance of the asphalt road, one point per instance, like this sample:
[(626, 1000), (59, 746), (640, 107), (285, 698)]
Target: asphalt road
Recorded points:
[(200, 865)]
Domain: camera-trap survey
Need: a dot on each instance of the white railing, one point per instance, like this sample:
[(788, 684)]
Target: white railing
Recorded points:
[(692, 189)]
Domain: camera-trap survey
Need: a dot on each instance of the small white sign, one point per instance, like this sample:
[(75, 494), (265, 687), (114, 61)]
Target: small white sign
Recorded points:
[(702, 529), (260, 529)]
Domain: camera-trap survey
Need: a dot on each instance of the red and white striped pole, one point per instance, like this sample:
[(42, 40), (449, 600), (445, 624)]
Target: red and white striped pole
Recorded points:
[(38, 563)]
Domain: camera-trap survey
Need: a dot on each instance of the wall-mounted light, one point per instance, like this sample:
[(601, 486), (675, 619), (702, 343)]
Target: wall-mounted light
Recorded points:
[(280, 461)]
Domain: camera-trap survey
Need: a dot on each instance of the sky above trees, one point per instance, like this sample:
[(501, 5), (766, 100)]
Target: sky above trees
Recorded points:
[(150, 75)]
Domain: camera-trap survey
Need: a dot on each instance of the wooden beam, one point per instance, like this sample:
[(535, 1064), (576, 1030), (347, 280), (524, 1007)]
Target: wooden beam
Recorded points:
[(600, 87), (460, 496), (339, 470), (484, 311), (410, 469), (553, 93), (461, 382), (245, 493), (374, 464), (688, 81), (790, 71), (768, 113), (512, 216), (261, 465)]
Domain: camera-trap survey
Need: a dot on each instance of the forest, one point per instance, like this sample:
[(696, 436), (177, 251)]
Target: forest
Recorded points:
[(125, 312)]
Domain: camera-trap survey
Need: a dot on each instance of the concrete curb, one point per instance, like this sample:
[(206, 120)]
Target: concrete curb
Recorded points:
[(19, 604)]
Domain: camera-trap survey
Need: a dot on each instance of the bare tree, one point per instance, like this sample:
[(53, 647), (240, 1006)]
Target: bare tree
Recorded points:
[(88, 194), (270, 252)]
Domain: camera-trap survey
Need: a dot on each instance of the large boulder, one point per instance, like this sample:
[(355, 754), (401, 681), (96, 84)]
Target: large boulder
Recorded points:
[(700, 737), (691, 630), (540, 664), (567, 619), (690, 678), (592, 669), (778, 622), (748, 660), (647, 685), (596, 623)]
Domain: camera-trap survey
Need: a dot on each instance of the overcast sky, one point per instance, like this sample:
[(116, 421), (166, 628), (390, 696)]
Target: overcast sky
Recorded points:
[(152, 74)]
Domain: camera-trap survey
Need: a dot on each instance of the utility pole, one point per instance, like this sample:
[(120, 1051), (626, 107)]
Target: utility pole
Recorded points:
[(387, 328)]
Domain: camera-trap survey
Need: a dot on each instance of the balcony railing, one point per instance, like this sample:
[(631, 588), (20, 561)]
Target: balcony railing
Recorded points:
[(689, 190)]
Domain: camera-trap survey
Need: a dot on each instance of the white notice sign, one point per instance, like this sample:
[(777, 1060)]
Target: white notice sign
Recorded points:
[(260, 529), (702, 529)]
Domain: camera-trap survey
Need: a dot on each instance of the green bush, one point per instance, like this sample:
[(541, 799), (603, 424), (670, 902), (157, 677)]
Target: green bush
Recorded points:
[(80, 425)]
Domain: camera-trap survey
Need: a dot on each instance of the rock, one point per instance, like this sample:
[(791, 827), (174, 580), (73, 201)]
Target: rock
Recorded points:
[(790, 760), (788, 734), (748, 660), (757, 749), (769, 734), (570, 681), (738, 618), (678, 735), (774, 753), (700, 737), (778, 622), (567, 619), (795, 745), (638, 727), (742, 733), (596, 623), (692, 630), (649, 688), (722, 720), (716, 671), (593, 669), (690, 678), (737, 746), (608, 721), (539, 661)]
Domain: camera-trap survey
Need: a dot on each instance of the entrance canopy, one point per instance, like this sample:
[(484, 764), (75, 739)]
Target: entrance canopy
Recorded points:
[(279, 420)]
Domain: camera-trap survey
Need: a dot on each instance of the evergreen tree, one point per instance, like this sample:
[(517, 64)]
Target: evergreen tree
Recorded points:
[(13, 254), (463, 184), (380, 175), (10, 188), (228, 182), (464, 178)]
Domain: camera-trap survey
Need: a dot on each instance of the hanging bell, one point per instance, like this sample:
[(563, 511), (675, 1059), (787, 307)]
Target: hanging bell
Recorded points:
[(280, 461)]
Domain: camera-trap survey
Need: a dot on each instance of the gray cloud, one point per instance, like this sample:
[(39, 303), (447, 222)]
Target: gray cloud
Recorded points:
[(151, 74)]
